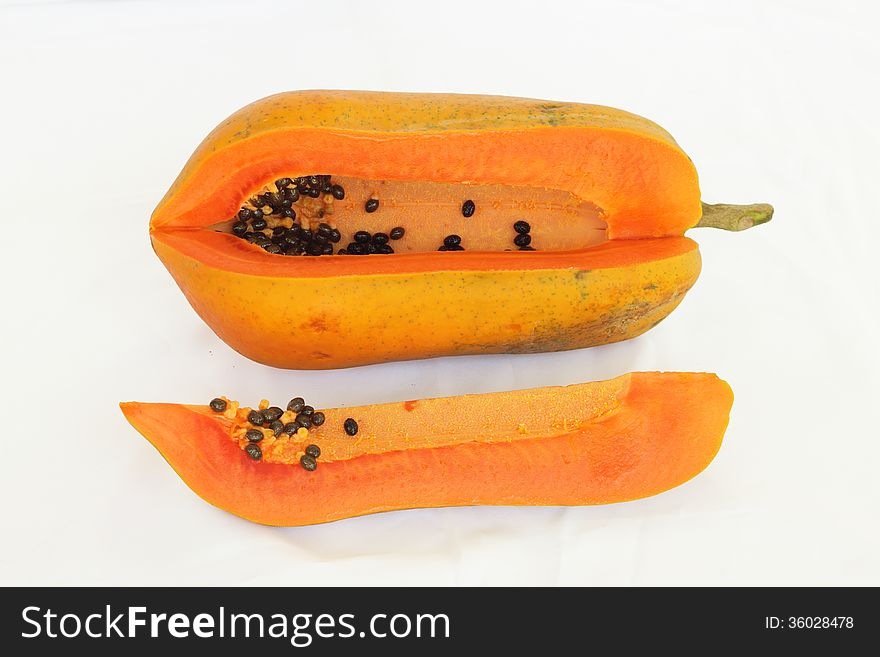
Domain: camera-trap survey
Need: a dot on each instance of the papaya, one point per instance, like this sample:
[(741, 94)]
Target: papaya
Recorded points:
[(592, 443), (425, 225)]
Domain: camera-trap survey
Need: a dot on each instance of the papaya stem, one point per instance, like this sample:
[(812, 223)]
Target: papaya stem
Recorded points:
[(735, 217)]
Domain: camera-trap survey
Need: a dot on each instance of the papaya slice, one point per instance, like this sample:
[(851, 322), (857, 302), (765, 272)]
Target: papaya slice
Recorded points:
[(593, 443), (490, 224)]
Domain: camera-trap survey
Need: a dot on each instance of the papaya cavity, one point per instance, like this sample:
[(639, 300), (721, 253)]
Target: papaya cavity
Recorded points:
[(343, 215), (439, 422)]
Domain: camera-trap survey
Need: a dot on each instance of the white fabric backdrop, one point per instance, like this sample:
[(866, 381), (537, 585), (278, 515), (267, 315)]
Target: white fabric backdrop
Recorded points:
[(774, 101)]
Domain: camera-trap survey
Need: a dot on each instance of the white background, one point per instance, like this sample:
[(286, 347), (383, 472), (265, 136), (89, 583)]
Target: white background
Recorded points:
[(775, 101)]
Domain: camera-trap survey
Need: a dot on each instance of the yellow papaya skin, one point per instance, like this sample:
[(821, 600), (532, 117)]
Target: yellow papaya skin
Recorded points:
[(362, 319)]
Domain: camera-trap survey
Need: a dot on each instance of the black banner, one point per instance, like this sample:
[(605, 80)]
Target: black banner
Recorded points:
[(431, 621)]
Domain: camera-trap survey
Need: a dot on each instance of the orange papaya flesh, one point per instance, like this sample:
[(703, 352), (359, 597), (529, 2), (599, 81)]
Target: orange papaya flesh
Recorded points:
[(599, 188), (595, 443), (622, 163)]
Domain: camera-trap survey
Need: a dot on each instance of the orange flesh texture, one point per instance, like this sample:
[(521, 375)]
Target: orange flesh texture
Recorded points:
[(627, 166), (431, 211), (414, 424), (594, 443)]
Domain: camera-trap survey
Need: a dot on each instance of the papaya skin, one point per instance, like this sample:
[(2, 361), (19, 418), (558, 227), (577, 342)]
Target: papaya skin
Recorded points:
[(380, 308), (636, 436), (616, 292)]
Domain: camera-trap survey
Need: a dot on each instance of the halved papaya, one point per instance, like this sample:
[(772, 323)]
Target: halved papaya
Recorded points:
[(490, 224), (593, 443)]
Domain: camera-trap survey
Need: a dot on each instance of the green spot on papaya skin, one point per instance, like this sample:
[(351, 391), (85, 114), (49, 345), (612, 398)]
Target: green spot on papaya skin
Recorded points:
[(583, 290), (735, 217), (650, 286)]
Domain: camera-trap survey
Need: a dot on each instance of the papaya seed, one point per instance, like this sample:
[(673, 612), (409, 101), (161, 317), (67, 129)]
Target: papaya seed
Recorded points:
[(272, 413)]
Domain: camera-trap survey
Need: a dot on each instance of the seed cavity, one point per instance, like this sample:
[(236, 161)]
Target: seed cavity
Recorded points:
[(294, 217), (270, 221), (288, 427)]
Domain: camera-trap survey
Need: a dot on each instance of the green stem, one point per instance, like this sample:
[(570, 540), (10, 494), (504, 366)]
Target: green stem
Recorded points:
[(735, 217)]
